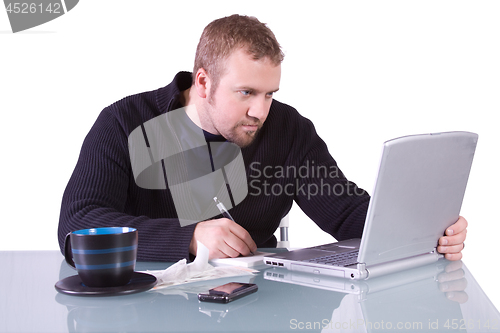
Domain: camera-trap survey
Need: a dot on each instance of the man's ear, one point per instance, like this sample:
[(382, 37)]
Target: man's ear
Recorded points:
[(202, 83)]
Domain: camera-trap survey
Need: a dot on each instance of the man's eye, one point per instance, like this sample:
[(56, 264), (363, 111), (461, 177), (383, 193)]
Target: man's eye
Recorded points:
[(270, 94), (245, 92)]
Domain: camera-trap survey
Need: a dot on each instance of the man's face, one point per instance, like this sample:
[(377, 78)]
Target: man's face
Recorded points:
[(240, 104)]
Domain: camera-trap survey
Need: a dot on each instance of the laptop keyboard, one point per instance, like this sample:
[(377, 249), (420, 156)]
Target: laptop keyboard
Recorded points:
[(337, 259)]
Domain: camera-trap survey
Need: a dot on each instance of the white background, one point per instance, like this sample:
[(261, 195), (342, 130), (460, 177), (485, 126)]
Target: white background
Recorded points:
[(363, 72)]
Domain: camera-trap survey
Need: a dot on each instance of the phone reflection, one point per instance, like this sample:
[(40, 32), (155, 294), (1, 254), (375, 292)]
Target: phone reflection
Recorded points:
[(432, 295), (217, 312), (163, 310)]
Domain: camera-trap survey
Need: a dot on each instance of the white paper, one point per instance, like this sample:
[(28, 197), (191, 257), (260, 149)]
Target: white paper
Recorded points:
[(256, 259), (199, 270), (194, 288)]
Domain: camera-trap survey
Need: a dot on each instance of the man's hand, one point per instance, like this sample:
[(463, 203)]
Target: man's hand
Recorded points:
[(223, 238), (452, 244)]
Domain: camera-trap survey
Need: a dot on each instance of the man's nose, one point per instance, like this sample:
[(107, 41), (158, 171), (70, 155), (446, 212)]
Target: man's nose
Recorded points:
[(259, 108)]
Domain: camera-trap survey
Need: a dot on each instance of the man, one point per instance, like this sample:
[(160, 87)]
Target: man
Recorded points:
[(230, 96)]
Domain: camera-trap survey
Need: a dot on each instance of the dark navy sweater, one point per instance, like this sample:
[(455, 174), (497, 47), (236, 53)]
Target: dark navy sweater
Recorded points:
[(287, 162)]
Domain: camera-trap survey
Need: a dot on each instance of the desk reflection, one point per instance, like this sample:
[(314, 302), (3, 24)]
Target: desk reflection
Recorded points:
[(427, 299)]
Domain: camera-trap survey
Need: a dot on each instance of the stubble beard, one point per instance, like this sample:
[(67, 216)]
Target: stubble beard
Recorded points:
[(243, 140), (248, 137)]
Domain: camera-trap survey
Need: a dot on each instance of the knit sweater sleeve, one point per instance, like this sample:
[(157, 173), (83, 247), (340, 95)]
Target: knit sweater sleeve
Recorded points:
[(333, 202), (101, 192)]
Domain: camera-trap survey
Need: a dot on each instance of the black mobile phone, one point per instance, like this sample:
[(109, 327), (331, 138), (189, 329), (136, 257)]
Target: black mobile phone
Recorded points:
[(228, 292)]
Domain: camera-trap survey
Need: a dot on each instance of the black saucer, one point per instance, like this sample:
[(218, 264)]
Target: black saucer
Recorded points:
[(73, 285)]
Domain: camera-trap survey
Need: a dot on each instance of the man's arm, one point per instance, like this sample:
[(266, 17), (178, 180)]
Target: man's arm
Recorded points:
[(333, 202), (102, 192)]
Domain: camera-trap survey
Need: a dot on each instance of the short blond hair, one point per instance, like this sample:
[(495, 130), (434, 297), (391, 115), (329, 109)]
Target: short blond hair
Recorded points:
[(222, 36)]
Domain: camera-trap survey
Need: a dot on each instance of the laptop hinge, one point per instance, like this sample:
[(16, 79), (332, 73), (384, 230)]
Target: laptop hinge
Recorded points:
[(402, 264), (363, 273)]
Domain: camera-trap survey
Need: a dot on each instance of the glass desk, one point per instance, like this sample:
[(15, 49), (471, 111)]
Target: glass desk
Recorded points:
[(411, 301)]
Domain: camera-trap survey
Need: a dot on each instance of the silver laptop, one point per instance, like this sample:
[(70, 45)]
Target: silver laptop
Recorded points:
[(418, 194), (362, 288)]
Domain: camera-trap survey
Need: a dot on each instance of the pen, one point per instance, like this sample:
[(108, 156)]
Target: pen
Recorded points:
[(223, 209), (224, 212)]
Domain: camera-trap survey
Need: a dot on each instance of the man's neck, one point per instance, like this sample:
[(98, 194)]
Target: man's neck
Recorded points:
[(193, 105), (184, 98), (189, 102)]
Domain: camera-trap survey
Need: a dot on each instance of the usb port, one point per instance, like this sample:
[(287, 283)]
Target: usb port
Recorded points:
[(275, 263), (280, 264), (268, 263)]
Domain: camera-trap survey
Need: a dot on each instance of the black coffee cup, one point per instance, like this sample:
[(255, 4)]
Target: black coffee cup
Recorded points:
[(103, 257)]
